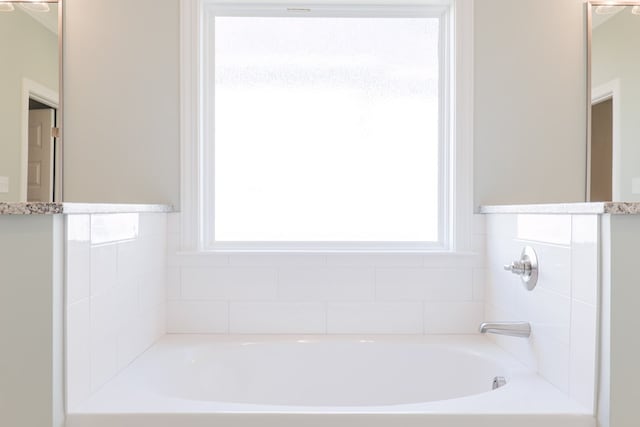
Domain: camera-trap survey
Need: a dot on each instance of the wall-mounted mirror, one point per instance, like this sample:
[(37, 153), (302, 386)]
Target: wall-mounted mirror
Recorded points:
[(613, 168), (30, 104)]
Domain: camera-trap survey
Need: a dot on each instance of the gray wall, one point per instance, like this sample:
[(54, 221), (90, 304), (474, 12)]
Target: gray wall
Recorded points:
[(619, 374), (28, 50), (530, 95), (31, 366), (121, 100)]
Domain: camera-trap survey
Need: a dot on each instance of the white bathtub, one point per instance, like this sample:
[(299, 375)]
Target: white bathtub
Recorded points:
[(198, 381)]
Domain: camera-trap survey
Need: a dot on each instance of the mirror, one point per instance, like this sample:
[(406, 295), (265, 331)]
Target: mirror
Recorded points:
[(30, 104), (613, 158)]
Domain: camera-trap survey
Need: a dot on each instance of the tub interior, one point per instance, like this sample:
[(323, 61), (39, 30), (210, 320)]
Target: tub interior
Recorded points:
[(373, 381), (316, 372)]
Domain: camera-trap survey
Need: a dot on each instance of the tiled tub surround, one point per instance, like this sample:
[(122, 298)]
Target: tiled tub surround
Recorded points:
[(320, 293), (116, 294), (125, 292), (562, 308)]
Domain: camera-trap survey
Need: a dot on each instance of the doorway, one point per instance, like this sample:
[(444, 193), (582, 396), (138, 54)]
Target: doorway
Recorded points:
[(41, 164), (601, 188), (604, 150), (41, 172)]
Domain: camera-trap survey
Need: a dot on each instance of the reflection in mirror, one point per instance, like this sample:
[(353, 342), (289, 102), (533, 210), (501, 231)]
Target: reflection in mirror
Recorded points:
[(30, 155), (614, 165)]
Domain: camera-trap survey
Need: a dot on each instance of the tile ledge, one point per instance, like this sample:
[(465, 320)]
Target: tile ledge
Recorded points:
[(614, 208)]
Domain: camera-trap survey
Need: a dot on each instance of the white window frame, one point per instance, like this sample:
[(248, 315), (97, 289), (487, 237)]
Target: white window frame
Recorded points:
[(455, 162)]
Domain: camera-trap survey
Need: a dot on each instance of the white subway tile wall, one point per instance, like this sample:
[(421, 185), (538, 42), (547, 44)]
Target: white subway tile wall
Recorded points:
[(276, 317), (585, 297), (563, 307), (200, 317), (453, 317), (128, 290), (375, 317), (343, 293), (116, 295)]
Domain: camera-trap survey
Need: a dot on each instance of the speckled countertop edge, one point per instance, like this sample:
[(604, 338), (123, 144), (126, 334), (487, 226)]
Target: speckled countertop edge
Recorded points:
[(614, 208), (40, 208), (30, 208)]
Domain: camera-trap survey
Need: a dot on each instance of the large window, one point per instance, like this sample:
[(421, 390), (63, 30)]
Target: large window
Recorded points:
[(325, 127)]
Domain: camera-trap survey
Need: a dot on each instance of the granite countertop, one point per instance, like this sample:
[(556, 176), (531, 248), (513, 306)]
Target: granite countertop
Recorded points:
[(42, 208), (615, 208)]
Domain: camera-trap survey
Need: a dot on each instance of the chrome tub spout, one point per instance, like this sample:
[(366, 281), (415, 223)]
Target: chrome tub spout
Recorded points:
[(512, 329)]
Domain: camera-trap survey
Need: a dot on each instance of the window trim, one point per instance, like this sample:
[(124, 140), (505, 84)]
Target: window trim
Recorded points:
[(456, 173)]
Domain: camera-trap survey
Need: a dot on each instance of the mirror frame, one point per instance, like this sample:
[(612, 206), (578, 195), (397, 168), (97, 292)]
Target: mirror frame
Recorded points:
[(590, 5), (58, 156)]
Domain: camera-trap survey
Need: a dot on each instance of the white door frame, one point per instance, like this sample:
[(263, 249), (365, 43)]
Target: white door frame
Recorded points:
[(40, 93), (609, 90)]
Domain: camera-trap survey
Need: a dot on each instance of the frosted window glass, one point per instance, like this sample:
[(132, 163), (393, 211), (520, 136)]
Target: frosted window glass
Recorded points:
[(326, 129)]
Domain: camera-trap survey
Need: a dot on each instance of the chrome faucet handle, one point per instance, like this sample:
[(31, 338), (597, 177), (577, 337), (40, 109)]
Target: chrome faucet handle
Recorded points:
[(526, 267), (518, 267)]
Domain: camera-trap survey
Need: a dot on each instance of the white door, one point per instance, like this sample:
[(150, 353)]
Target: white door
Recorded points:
[(40, 164)]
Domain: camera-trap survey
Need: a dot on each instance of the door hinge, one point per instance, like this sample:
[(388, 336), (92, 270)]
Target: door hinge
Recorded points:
[(55, 132)]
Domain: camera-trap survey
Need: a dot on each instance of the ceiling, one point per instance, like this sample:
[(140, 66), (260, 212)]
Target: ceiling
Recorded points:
[(599, 19), (47, 19)]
